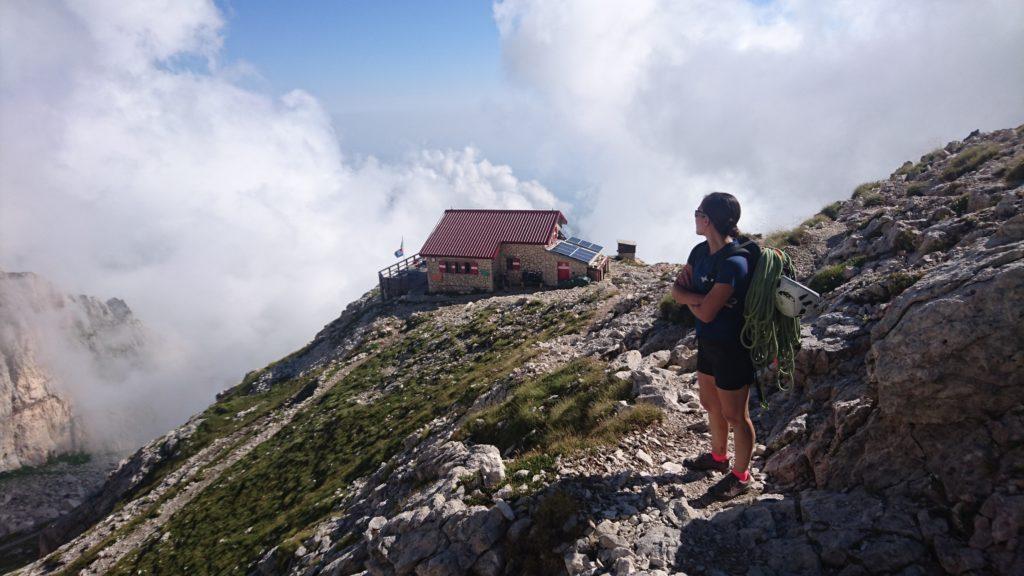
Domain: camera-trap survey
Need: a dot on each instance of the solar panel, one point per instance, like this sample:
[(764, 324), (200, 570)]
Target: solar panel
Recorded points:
[(563, 249), (583, 243), (573, 251), (584, 254)]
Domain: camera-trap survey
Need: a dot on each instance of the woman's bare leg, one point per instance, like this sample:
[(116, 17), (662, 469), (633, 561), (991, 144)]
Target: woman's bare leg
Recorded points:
[(736, 412), (716, 421)]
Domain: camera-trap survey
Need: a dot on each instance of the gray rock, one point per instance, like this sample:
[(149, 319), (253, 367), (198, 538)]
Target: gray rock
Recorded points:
[(413, 546), (505, 510), (631, 359), (1010, 231), (794, 430), (518, 529), (790, 556), (658, 359), (490, 563), (957, 559), (788, 466), (887, 554), (658, 543), (658, 387), (918, 362), (684, 357), (623, 566), (487, 460)]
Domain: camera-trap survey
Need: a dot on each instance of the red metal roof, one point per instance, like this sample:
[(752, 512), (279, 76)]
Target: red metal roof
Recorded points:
[(479, 233)]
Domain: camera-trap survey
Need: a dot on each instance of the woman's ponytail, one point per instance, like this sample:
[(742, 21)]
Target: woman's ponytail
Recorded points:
[(723, 210)]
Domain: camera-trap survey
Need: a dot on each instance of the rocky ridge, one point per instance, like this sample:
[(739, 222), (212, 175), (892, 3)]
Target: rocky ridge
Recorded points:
[(899, 448)]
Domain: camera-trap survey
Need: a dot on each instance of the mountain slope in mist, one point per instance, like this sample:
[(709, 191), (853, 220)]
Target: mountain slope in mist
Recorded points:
[(542, 433)]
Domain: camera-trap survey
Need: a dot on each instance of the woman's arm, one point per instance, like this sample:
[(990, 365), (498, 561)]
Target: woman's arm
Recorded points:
[(683, 296), (704, 307)]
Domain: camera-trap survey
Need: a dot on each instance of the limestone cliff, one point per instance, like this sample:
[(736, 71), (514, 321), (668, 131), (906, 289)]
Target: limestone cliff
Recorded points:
[(43, 334)]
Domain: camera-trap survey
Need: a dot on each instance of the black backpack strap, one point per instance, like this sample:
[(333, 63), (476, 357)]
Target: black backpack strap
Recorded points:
[(728, 251)]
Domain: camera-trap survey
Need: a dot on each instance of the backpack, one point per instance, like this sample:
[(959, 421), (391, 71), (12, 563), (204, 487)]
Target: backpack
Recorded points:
[(772, 307)]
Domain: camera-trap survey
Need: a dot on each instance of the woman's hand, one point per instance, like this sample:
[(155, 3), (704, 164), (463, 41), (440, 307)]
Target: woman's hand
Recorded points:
[(684, 296), (685, 277)]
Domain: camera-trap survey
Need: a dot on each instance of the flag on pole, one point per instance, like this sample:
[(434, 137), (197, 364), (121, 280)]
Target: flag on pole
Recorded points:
[(401, 249)]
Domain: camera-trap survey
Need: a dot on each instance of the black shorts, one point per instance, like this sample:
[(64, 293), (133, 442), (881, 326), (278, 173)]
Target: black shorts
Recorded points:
[(728, 362)]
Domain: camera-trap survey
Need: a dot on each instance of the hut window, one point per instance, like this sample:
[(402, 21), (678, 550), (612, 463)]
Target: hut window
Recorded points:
[(512, 263), (465, 268)]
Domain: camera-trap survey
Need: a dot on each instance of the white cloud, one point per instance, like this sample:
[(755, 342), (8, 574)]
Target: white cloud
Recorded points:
[(135, 163), (787, 104), (228, 219)]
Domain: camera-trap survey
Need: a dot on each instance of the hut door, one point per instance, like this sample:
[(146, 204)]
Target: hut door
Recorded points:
[(563, 271)]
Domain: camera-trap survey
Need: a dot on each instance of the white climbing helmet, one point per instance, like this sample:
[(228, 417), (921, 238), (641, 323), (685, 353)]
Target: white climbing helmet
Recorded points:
[(793, 298)]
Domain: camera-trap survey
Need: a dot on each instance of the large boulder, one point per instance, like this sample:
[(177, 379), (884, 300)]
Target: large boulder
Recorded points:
[(658, 387), (929, 372)]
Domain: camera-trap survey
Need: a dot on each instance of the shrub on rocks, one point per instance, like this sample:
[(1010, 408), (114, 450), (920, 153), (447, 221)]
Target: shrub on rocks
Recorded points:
[(967, 160), (872, 199), (828, 278), (865, 189), (670, 310), (1014, 175), (832, 210), (959, 206), (551, 523)]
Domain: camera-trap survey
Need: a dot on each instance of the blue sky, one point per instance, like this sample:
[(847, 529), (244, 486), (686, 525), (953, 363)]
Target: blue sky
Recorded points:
[(364, 55)]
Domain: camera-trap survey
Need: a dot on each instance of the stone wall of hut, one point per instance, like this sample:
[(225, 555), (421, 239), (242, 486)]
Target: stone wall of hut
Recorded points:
[(535, 258), (459, 282)]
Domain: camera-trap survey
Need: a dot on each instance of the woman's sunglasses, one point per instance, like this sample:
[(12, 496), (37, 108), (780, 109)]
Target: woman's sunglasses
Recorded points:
[(699, 214)]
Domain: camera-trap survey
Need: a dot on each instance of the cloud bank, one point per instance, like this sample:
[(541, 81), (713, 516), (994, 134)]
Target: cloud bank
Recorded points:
[(134, 164), (787, 104)]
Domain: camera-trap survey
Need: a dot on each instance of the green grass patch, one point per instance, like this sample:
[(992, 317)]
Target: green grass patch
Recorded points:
[(558, 413), (672, 311), (857, 261), (815, 220), (832, 210), (74, 459), (897, 282), (917, 189), (914, 170), (959, 206), (872, 199), (1014, 174), (828, 278), (783, 238), (905, 168), (967, 160), (865, 188)]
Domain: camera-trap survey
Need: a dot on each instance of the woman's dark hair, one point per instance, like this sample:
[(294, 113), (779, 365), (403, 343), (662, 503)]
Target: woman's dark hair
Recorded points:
[(723, 210)]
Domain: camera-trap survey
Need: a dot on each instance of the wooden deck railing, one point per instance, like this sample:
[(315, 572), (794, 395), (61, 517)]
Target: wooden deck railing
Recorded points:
[(392, 280)]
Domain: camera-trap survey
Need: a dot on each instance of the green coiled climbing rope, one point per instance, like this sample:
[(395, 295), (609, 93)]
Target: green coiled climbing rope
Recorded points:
[(771, 336)]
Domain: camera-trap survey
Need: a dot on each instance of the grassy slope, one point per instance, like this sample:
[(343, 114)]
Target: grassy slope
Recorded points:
[(297, 477)]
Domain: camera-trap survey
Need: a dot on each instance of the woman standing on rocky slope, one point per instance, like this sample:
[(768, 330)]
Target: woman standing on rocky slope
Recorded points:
[(713, 285)]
